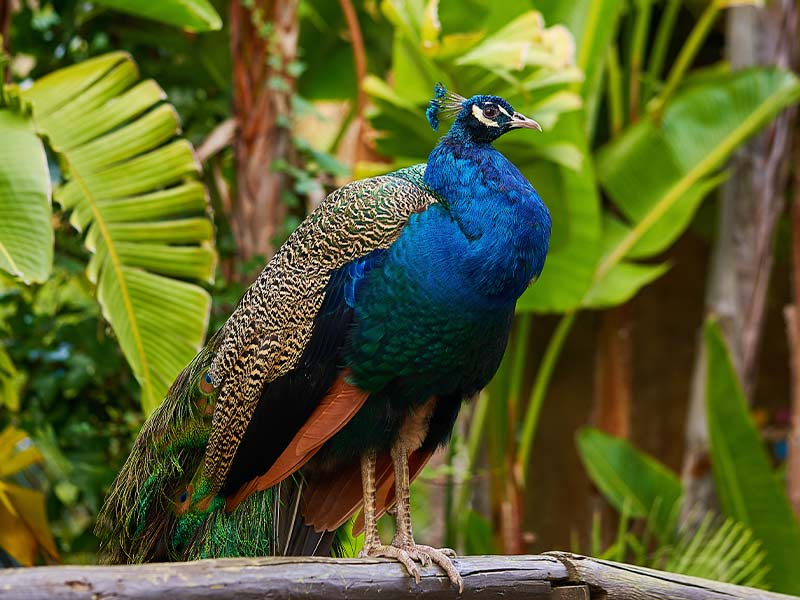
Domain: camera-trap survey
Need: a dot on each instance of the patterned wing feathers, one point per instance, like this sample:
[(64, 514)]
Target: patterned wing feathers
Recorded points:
[(266, 334)]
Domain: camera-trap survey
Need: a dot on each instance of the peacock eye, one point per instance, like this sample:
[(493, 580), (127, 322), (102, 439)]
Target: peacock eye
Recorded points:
[(206, 383), (183, 497), (490, 111)]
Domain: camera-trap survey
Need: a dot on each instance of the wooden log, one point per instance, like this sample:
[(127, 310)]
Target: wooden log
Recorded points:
[(617, 581), (523, 577), (554, 576)]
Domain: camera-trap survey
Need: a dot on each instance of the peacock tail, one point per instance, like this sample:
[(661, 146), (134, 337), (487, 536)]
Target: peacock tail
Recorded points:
[(162, 507), (145, 507)]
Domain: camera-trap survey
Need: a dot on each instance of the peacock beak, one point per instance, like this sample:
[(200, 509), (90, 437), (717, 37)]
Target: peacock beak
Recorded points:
[(519, 120)]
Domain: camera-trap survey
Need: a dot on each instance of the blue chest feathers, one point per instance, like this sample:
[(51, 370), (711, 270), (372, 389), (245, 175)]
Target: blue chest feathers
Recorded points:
[(488, 238)]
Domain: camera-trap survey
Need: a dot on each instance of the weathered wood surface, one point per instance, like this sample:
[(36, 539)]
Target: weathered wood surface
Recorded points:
[(523, 577), (612, 581), (554, 576)]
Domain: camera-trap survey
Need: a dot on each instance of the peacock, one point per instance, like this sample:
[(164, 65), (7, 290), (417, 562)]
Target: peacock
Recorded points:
[(344, 365)]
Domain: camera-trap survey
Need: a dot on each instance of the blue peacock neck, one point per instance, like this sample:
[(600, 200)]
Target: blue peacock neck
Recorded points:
[(498, 211)]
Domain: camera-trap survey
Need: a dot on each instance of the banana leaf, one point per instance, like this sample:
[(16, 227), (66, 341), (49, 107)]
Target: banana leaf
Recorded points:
[(191, 15), (130, 184), (745, 483), (658, 171), (26, 234), (631, 480), (593, 23)]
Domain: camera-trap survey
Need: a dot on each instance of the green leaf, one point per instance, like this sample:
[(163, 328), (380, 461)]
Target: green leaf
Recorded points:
[(412, 71), (522, 42), (726, 552), (675, 220), (622, 283), (593, 24), (698, 131), (26, 233), (11, 381), (746, 485), (131, 186), (630, 479), (191, 15), (572, 197)]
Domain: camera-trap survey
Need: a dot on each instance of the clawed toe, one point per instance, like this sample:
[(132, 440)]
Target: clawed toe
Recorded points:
[(406, 554), (420, 557), (427, 555), (399, 554), (448, 552)]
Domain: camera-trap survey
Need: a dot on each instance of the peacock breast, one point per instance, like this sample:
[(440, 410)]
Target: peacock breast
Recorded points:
[(419, 314)]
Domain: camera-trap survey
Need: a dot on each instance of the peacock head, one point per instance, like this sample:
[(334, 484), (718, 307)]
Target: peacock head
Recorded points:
[(480, 119)]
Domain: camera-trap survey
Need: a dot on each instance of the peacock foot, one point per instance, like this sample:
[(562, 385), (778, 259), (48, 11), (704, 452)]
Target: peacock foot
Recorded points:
[(408, 552)]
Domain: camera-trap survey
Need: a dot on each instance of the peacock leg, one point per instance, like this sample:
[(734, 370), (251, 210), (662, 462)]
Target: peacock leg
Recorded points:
[(404, 537), (372, 541), (371, 537), (403, 548)]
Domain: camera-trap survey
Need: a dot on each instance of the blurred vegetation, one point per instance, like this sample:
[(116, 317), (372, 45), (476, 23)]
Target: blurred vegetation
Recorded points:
[(640, 115)]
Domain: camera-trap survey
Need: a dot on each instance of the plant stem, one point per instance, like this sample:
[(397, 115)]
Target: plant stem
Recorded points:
[(622, 527), (450, 517), (540, 386), (640, 28), (658, 55), (686, 55), (359, 53), (344, 126), (477, 426), (518, 361), (616, 109)]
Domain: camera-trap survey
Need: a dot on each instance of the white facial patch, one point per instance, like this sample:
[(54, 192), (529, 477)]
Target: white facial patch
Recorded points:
[(477, 112), (504, 111)]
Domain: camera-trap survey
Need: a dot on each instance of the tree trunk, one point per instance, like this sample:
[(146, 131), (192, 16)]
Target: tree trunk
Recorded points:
[(6, 9), (793, 334), (752, 201), (793, 450), (263, 45), (613, 377), (613, 390)]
